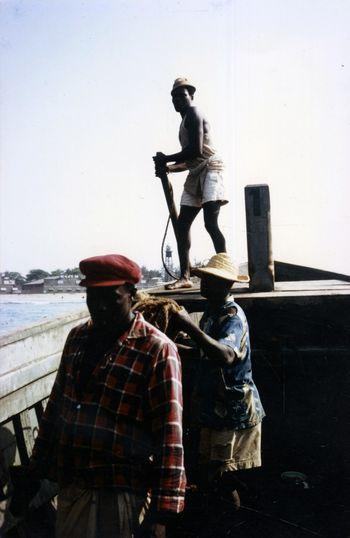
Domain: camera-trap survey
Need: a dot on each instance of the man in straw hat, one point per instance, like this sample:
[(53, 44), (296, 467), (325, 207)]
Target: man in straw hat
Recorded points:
[(111, 433), (229, 407), (204, 184)]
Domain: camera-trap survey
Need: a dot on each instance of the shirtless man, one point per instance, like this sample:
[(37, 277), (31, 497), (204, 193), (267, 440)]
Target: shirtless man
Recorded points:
[(203, 187)]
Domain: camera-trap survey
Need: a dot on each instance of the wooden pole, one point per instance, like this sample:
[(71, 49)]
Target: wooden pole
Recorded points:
[(260, 258), (169, 196)]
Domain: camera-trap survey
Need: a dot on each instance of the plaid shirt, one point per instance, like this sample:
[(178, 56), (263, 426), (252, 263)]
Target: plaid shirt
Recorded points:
[(125, 429)]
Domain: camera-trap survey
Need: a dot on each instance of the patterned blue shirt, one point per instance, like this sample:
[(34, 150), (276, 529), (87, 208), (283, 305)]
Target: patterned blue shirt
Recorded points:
[(228, 396)]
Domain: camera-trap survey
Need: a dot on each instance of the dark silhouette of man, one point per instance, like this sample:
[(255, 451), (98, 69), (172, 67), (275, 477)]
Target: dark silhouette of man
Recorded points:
[(111, 434), (229, 410), (203, 187)]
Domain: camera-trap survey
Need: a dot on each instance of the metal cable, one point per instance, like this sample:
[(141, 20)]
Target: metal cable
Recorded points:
[(162, 251)]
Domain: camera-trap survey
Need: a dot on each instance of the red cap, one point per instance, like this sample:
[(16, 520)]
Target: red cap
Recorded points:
[(109, 270)]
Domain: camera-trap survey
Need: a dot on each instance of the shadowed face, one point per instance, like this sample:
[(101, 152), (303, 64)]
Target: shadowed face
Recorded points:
[(110, 306), (182, 99), (215, 289)]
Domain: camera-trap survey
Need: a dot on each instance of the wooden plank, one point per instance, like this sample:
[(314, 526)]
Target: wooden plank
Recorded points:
[(44, 326), (20, 440), (259, 242), (282, 290), (169, 197), (304, 317), (290, 271), (28, 373), (26, 397), (290, 294), (29, 426), (309, 285)]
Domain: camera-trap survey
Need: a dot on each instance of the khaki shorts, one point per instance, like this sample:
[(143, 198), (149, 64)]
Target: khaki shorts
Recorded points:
[(235, 449), (93, 513), (211, 188)]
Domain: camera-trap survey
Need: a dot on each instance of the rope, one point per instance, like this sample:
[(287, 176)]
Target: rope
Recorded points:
[(156, 310)]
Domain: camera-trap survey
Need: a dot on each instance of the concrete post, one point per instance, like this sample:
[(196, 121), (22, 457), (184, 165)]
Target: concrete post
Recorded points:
[(260, 259)]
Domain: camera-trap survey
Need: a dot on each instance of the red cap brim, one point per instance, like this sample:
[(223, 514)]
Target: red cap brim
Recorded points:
[(86, 283)]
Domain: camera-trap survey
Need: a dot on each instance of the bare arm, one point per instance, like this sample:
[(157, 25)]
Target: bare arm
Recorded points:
[(212, 348), (180, 167), (187, 352)]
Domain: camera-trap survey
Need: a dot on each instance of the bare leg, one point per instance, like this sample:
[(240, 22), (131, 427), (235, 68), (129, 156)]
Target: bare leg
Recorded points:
[(211, 212), (186, 218), (184, 223)]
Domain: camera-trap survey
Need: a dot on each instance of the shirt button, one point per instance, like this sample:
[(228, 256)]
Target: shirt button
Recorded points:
[(78, 406)]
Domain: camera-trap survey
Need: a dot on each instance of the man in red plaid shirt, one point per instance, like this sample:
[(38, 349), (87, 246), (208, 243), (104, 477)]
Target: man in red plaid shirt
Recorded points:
[(111, 433)]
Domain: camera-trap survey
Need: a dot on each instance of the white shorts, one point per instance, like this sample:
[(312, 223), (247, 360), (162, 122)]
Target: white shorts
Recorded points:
[(211, 188)]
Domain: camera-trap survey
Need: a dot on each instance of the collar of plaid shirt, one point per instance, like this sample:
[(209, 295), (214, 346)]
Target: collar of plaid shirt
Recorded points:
[(137, 330)]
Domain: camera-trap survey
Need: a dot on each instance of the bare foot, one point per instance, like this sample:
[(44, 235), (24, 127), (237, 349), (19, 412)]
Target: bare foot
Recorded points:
[(182, 283)]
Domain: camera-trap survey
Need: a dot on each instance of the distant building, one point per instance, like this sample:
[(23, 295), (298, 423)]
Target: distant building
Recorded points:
[(62, 284), (7, 285), (54, 284), (35, 286)]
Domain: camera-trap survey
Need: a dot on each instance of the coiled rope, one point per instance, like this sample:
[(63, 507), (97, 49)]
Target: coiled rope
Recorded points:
[(156, 310)]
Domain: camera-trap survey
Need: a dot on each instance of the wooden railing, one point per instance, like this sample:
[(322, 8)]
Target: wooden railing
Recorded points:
[(28, 363)]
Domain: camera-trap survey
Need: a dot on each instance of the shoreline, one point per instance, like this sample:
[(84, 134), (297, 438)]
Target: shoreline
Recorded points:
[(44, 298)]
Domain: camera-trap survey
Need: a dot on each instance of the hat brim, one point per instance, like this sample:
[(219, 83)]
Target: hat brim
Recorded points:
[(86, 283), (220, 273), (183, 86)]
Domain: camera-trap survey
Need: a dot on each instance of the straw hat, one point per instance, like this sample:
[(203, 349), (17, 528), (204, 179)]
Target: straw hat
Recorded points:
[(182, 81), (220, 266)]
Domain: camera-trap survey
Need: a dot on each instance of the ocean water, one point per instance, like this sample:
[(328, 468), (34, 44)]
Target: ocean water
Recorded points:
[(19, 311)]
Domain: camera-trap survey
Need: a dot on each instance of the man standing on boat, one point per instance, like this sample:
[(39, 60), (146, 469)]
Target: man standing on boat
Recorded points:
[(204, 184), (227, 400), (111, 434)]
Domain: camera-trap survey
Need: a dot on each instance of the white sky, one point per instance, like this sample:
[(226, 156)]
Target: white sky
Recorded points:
[(85, 103)]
